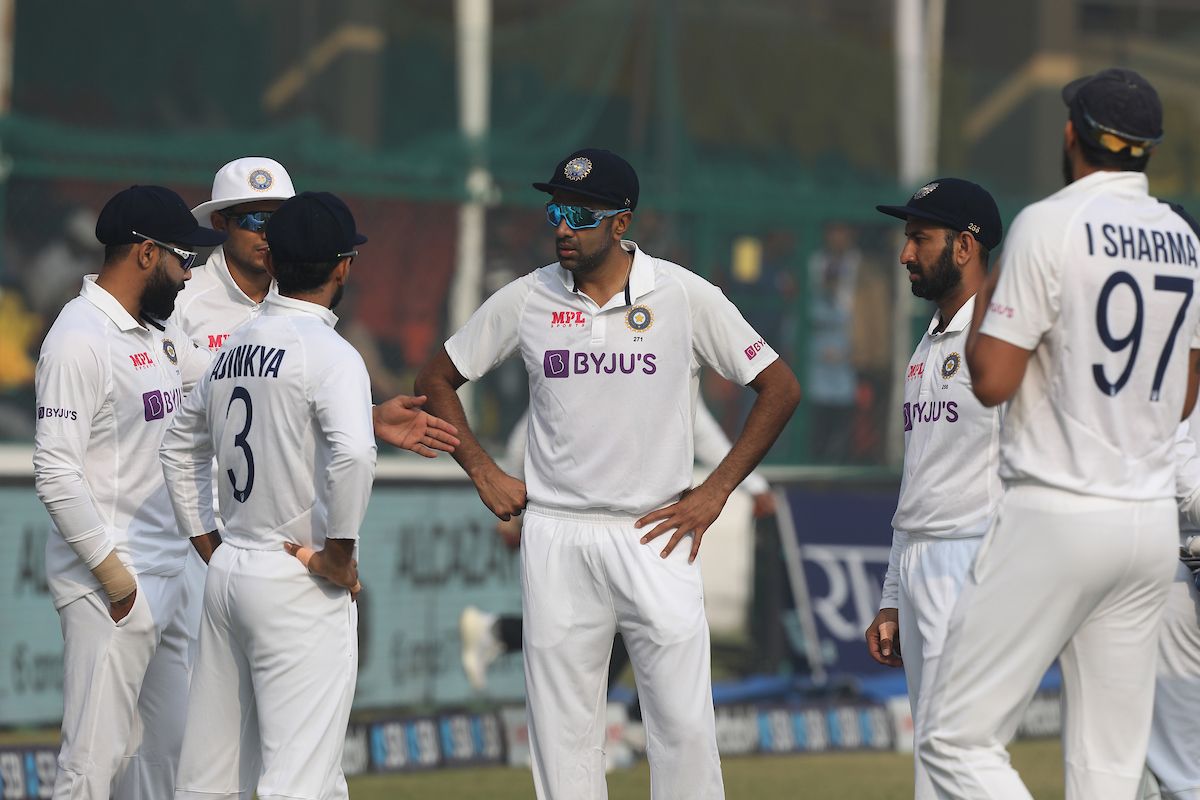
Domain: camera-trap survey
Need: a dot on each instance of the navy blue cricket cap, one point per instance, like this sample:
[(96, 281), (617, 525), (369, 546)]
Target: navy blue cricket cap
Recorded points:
[(312, 228), (599, 174), (957, 204), (1120, 103), (153, 211)]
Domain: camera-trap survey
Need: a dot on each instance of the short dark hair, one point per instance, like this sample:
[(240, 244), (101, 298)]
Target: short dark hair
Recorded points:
[(115, 252), (303, 276)]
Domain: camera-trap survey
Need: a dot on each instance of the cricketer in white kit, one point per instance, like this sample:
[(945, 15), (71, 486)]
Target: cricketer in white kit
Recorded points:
[(613, 340), (228, 289), (1172, 756), (109, 379), (1088, 331), (285, 408), (950, 485)]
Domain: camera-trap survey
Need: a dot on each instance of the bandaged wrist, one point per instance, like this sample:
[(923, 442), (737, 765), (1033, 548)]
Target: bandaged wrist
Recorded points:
[(115, 577)]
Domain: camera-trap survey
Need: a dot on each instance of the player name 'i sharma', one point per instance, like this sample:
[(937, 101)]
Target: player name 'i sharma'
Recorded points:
[(1138, 244)]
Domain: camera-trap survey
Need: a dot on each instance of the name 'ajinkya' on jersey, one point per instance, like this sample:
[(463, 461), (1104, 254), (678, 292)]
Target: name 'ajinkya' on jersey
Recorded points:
[(1098, 281), (286, 408), (212, 305), (950, 486), (612, 390), (107, 387)]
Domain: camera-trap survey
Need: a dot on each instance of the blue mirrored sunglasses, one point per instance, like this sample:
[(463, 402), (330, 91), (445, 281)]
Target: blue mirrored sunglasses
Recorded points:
[(187, 258), (250, 220), (578, 217)]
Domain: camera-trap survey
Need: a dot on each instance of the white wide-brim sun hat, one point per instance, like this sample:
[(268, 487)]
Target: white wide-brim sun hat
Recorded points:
[(244, 181)]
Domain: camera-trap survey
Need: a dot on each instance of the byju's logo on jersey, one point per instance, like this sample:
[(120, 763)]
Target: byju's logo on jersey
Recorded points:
[(754, 349), (141, 360), (46, 412), (157, 404), (931, 411), (564, 363), (567, 319)]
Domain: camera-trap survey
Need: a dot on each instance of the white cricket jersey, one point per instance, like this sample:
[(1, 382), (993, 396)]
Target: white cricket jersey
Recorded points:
[(286, 409), (710, 443), (1098, 281), (950, 485), (212, 306), (107, 386), (612, 390)]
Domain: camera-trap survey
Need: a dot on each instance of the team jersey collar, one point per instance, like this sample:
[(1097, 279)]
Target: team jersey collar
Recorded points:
[(221, 269), (1108, 181), (960, 321), (281, 305), (641, 274), (112, 308)]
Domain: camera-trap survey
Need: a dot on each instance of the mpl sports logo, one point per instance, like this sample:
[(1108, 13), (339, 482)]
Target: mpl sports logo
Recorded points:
[(564, 363), (931, 411), (215, 340), (157, 403), (567, 319), (141, 360)]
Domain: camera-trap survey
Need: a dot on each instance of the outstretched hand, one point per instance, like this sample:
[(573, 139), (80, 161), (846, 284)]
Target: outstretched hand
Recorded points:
[(345, 576), (401, 423), (693, 513)]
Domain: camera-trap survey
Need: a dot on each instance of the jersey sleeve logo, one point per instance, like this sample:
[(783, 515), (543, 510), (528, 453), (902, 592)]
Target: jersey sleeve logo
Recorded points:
[(639, 318), (169, 351), (950, 366)]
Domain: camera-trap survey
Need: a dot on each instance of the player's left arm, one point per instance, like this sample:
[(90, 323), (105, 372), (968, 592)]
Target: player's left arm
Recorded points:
[(778, 395), (186, 456)]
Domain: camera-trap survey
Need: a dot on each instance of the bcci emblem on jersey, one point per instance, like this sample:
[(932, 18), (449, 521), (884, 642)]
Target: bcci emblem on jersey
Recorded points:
[(639, 318), (950, 366), (578, 168), (260, 180), (169, 352)]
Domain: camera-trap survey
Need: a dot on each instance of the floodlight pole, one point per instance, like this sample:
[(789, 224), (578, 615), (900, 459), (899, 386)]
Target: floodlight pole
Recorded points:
[(473, 28), (919, 33)]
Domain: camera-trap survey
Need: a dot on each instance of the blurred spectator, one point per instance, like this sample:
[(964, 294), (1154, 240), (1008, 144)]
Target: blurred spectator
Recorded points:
[(871, 355), (832, 384), (54, 275)]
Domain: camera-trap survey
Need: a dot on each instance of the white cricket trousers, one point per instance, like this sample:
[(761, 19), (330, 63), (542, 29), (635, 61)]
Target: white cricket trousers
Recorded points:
[(1059, 575), (1174, 753), (124, 694), (931, 573), (272, 684), (584, 577)]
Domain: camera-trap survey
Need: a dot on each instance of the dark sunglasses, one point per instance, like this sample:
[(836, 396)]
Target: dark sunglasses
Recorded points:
[(250, 220)]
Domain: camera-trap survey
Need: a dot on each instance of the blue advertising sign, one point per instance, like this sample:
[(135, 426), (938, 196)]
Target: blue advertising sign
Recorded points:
[(844, 537)]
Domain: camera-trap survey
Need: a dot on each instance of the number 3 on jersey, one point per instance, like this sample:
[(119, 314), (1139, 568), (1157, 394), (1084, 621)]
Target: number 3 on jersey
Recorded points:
[(240, 442), (1133, 340)]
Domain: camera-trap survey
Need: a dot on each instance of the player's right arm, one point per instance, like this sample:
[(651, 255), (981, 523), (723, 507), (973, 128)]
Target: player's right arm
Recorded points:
[(503, 494), (883, 634), (491, 335), (70, 384), (186, 454)]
